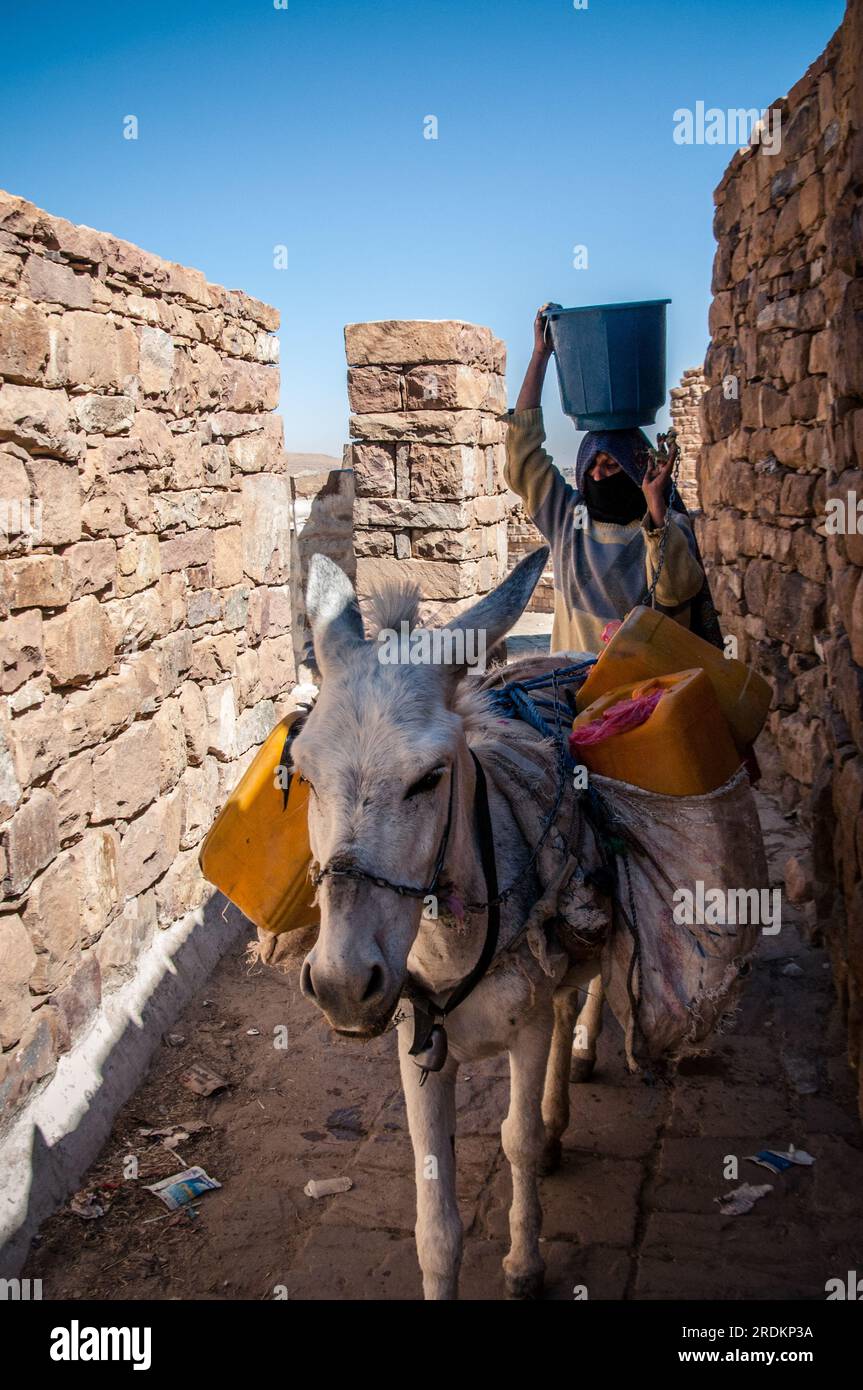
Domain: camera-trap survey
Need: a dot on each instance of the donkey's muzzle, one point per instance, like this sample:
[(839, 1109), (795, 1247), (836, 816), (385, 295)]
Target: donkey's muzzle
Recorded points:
[(357, 998)]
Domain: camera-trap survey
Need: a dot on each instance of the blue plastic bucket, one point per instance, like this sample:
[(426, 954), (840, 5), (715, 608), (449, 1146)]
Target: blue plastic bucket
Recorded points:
[(610, 363)]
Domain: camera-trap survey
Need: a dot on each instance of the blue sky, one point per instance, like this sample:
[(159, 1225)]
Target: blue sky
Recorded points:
[(304, 127)]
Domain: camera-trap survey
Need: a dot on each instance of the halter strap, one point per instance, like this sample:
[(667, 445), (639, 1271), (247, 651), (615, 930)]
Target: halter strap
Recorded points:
[(405, 890), (426, 1013)]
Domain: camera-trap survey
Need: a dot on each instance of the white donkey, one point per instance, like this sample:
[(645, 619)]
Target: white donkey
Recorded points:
[(400, 810)]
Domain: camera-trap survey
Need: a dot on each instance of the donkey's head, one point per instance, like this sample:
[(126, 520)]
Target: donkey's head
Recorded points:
[(380, 751)]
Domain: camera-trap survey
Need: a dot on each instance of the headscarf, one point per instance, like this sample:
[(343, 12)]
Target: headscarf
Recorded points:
[(627, 447)]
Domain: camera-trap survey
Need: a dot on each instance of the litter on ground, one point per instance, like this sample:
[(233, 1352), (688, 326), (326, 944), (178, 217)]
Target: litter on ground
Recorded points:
[(183, 1187), (327, 1186), (742, 1199)]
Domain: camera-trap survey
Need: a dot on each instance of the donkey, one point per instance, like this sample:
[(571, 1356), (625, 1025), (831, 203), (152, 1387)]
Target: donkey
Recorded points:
[(387, 754)]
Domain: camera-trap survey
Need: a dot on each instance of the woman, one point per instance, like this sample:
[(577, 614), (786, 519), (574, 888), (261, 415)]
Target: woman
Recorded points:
[(606, 533)]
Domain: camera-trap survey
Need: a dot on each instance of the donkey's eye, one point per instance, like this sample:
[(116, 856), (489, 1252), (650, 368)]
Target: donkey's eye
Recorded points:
[(426, 783)]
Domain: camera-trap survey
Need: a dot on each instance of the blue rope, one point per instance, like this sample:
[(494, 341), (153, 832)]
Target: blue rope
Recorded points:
[(514, 701)]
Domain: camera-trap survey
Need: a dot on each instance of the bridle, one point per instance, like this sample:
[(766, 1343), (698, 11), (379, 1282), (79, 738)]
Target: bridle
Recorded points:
[(429, 1047), (336, 870)]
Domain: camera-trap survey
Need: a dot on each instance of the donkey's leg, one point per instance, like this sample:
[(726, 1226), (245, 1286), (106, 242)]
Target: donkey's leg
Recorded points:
[(431, 1120), (523, 1136), (588, 1025), (555, 1097)]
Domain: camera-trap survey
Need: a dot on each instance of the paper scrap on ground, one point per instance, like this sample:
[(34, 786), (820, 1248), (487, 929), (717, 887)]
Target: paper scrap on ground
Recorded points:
[(742, 1199), (183, 1187), (779, 1160)]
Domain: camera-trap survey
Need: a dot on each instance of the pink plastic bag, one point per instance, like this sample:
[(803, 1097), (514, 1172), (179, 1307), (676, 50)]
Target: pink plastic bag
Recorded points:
[(625, 715)]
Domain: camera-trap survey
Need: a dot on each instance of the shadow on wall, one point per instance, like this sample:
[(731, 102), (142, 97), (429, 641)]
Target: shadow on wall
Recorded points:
[(40, 1166)]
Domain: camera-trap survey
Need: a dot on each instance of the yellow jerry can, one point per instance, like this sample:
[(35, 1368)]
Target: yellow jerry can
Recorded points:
[(650, 644), (257, 851), (683, 748)]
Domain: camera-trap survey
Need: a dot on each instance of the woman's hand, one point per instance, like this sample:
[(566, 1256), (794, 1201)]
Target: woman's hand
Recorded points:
[(660, 464), (541, 336), (530, 395)]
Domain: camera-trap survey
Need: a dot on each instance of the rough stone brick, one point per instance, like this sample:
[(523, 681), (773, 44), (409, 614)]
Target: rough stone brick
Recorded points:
[(21, 648), (32, 1060), (402, 513), (99, 352), (221, 720), (79, 643), (37, 418), (151, 842), (138, 564), (123, 940), (438, 473), (172, 744), (254, 724), (54, 283), (277, 666), (374, 468), (57, 487), (192, 548), (249, 386), (228, 556), (423, 426), (126, 773), (436, 579), (105, 414), (266, 528), (37, 580), (396, 342), (51, 916), (200, 792), (32, 839), (76, 1003), (17, 963), (181, 890), (10, 786), (72, 785), (374, 388), (156, 361), (25, 344), (92, 566), (452, 387), (195, 722), (136, 620)]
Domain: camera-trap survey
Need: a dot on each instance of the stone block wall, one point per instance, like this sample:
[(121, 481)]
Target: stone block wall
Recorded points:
[(427, 455), (522, 537), (686, 419), (783, 429), (146, 612)]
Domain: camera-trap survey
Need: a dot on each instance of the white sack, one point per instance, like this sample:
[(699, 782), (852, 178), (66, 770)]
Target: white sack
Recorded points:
[(684, 976)]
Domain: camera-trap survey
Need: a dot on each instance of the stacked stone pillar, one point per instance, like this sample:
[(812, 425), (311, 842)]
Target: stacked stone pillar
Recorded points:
[(427, 454), (686, 419)]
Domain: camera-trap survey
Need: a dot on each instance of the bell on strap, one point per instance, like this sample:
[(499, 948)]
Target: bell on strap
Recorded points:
[(434, 1054)]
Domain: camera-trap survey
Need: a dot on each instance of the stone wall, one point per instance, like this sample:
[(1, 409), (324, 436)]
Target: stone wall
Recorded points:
[(686, 419), (522, 538), (783, 429), (146, 612), (427, 454)]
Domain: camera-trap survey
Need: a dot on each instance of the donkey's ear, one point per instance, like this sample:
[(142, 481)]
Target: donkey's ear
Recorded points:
[(495, 614), (333, 612)]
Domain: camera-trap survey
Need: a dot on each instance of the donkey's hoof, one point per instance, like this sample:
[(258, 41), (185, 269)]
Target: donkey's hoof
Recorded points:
[(524, 1286), (581, 1069), (549, 1161)]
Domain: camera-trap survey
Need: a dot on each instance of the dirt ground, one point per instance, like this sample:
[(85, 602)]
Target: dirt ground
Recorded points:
[(631, 1213)]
